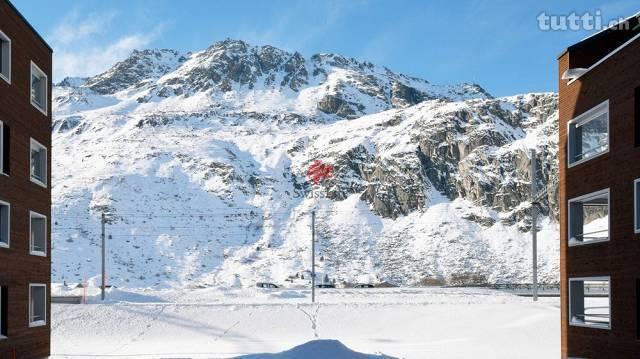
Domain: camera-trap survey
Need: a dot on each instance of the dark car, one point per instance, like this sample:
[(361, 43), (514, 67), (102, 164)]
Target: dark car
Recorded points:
[(266, 285), (363, 286), (325, 286)]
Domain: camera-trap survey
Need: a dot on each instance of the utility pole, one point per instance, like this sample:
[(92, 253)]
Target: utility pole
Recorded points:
[(313, 256), (534, 223), (104, 254)]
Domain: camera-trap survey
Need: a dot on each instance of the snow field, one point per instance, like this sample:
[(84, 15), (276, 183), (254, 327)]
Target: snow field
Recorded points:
[(403, 323)]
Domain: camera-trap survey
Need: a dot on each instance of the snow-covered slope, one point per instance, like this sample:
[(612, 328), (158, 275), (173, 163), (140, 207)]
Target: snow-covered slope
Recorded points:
[(408, 323), (201, 162)]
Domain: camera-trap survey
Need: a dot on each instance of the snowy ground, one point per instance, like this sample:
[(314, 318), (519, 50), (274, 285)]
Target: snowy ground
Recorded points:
[(399, 322)]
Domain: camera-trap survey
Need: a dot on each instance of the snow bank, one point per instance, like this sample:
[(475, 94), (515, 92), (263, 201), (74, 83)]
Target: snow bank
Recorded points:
[(317, 349)]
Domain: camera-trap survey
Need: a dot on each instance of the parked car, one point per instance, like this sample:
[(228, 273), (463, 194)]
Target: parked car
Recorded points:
[(364, 286), (266, 285), (325, 285)]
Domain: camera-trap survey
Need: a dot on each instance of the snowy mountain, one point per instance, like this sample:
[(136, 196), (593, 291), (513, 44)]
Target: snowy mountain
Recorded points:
[(202, 163)]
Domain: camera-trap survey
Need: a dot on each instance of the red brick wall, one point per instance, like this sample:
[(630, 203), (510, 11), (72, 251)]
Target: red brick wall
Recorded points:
[(614, 80), (17, 267)]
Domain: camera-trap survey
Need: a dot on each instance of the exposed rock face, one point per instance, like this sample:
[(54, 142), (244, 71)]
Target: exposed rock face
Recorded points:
[(295, 70), (396, 187), (429, 182), (334, 105), (475, 151), (141, 67), (404, 96), (232, 63)]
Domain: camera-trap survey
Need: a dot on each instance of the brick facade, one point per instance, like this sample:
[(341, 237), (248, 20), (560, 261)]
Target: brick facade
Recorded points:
[(18, 268), (615, 80)]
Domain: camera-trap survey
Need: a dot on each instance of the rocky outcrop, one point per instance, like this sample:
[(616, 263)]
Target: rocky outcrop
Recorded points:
[(295, 70), (139, 68), (404, 96), (395, 188), (331, 104), (475, 151)]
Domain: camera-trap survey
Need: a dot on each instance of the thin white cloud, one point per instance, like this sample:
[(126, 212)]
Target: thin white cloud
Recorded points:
[(97, 59), (72, 28), (282, 31), (80, 47)]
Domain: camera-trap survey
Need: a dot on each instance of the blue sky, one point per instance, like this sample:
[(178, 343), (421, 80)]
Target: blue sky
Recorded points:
[(497, 44)]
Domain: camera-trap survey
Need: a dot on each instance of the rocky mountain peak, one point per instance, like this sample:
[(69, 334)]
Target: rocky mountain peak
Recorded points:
[(231, 45), (142, 66), (230, 64), (342, 62), (72, 82), (337, 86)]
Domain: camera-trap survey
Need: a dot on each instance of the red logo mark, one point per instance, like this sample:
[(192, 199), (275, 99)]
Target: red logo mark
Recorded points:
[(319, 171)]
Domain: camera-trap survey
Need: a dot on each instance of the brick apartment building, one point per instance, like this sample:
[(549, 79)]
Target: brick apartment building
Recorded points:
[(599, 89), (25, 193)]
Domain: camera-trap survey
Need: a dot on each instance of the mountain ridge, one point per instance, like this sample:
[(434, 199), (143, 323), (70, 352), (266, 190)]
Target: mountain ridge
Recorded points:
[(137, 58), (429, 181)]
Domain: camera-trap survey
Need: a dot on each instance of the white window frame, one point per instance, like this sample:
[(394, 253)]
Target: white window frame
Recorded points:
[(579, 199), (1, 336), (38, 323), (46, 88), (1, 147), (39, 146), (636, 193), (584, 118), (595, 326), (8, 244), (33, 214), (6, 38)]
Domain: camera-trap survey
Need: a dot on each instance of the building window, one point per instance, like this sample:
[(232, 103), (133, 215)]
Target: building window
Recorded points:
[(5, 224), (5, 57), (636, 205), (590, 302), (37, 305), (38, 163), (38, 231), (589, 134), (39, 85), (589, 218)]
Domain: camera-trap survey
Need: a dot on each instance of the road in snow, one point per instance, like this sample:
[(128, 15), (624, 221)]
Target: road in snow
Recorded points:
[(400, 322)]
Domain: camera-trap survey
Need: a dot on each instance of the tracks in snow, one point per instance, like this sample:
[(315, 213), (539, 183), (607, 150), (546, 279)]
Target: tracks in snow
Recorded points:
[(313, 317)]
